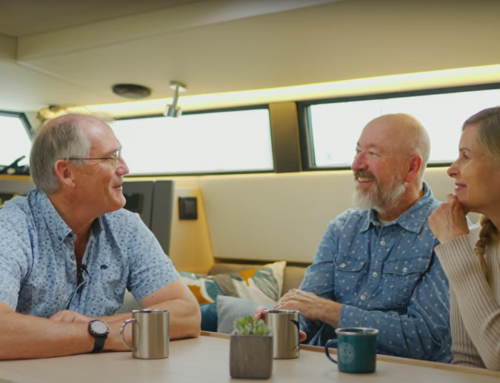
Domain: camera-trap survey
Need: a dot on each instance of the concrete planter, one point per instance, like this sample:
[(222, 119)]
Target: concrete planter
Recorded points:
[(251, 356)]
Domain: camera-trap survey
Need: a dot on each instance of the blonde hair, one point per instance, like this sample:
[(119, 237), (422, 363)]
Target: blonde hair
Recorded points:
[(487, 123), (488, 234)]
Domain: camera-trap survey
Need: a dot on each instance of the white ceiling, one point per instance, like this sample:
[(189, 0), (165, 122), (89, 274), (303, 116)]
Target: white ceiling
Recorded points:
[(29, 17), (72, 55)]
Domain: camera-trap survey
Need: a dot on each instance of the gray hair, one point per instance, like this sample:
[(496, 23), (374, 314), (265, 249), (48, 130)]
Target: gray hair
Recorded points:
[(60, 138)]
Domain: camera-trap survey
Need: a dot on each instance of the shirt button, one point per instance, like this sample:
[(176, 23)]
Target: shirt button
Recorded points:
[(374, 275), (382, 243), (342, 265), (405, 270), (362, 297)]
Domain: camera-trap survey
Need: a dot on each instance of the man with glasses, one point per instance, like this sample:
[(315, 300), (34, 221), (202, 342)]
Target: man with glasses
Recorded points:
[(68, 251), (375, 265)]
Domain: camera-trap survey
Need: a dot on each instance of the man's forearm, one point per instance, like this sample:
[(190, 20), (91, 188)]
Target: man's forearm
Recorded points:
[(329, 312), (184, 319), (26, 337)]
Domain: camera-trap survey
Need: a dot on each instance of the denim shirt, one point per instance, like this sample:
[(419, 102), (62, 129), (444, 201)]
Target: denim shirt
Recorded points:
[(386, 277), (38, 271)]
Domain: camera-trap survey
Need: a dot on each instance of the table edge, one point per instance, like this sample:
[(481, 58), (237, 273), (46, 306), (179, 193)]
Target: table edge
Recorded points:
[(390, 359)]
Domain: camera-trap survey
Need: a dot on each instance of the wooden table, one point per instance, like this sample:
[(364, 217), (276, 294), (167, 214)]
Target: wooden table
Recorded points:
[(206, 359)]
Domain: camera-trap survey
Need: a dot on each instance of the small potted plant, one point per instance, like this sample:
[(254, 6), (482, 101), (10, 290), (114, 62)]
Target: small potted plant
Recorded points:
[(251, 349)]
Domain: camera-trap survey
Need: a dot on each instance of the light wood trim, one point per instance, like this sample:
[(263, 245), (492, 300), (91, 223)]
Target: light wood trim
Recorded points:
[(14, 177)]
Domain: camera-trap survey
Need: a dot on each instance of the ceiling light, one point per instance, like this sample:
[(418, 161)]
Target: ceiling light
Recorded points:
[(131, 90), (172, 110)]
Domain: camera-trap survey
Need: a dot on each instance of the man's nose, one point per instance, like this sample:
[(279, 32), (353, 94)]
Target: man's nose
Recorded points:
[(122, 167), (358, 162)]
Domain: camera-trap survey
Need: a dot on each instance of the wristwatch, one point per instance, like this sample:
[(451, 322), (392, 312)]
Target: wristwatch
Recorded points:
[(99, 330)]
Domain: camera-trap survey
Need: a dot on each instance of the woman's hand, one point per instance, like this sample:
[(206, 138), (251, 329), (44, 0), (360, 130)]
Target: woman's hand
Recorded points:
[(448, 220)]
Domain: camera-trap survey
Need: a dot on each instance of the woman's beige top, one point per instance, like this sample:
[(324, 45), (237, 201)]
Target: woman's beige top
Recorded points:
[(474, 304)]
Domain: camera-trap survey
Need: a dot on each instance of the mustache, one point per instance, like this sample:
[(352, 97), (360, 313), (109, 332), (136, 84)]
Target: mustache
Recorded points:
[(364, 174)]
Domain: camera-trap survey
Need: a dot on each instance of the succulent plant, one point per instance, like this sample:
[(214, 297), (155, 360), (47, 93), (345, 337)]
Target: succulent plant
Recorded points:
[(246, 325)]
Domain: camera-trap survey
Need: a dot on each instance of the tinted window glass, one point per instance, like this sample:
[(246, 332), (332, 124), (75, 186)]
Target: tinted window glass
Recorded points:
[(197, 143), (336, 127)]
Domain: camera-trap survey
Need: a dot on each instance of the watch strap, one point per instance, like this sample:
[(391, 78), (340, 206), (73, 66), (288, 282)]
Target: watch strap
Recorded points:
[(98, 343), (99, 339)]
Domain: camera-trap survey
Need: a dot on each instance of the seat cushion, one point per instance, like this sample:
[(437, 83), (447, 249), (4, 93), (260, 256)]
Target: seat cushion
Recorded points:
[(230, 308), (292, 276), (259, 284)]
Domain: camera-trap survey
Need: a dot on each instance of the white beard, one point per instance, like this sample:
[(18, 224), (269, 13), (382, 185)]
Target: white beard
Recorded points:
[(374, 199)]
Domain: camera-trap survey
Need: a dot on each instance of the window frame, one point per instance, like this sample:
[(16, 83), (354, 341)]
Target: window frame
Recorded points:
[(206, 111), (305, 126), (27, 127), (24, 120)]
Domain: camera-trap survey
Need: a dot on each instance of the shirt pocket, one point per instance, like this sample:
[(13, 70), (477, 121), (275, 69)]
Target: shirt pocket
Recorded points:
[(349, 264), (349, 271), (402, 276)]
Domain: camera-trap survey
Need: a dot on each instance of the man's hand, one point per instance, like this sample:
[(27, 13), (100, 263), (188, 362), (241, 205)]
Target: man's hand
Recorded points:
[(259, 314), (448, 220), (308, 305), (311, 306), (70, 316)]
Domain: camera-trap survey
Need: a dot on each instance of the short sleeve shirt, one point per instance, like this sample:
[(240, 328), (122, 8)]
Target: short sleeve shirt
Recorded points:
[(38, 269)]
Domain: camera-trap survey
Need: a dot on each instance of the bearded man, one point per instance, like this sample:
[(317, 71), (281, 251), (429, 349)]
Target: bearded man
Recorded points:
[(375, 265)]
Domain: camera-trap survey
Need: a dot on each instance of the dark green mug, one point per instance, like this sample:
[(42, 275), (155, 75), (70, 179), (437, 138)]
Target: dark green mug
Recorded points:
[(356, 349)]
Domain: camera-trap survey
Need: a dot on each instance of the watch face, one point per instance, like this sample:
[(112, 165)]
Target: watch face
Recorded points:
[(99, 327)]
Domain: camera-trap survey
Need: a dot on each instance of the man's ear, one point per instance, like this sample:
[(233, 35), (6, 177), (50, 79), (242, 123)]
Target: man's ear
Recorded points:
[(64, 173), (414, 165)]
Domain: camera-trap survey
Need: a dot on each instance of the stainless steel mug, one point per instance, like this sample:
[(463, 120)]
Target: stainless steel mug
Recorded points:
[(150, 334), (285, 327)]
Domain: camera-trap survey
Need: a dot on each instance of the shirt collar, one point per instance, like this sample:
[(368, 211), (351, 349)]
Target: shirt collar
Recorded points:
[(412, 219), (57, 225)]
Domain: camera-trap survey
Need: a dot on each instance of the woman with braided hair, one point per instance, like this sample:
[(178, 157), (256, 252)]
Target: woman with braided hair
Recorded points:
[(470, 258)]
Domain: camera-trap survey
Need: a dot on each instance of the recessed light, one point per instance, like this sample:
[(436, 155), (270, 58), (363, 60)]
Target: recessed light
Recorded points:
[(131, 90)]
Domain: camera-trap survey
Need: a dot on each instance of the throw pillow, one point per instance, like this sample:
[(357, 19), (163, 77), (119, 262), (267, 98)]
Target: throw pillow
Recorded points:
[(208, 317), (230, 308), (261, 284), (203, 287)]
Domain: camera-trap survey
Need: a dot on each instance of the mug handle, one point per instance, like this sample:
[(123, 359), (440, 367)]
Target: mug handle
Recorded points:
[(331, 341), (123, 336), (297, 324)]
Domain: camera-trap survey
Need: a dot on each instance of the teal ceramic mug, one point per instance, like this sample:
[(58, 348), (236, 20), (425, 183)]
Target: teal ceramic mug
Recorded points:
[(356, 349)]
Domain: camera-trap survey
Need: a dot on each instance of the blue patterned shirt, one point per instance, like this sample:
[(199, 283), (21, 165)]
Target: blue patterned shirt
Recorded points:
[(387, 277), (38, 270)]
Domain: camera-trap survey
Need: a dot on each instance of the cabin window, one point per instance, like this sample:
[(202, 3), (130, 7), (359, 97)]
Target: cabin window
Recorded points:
[(15, 140), (214, 142), (333, 128)]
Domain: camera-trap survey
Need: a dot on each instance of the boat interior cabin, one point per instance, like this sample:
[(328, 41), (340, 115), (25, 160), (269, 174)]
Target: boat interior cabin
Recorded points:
[(239, 118)]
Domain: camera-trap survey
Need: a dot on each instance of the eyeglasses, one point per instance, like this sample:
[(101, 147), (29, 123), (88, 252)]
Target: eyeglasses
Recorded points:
[(112, 159)]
